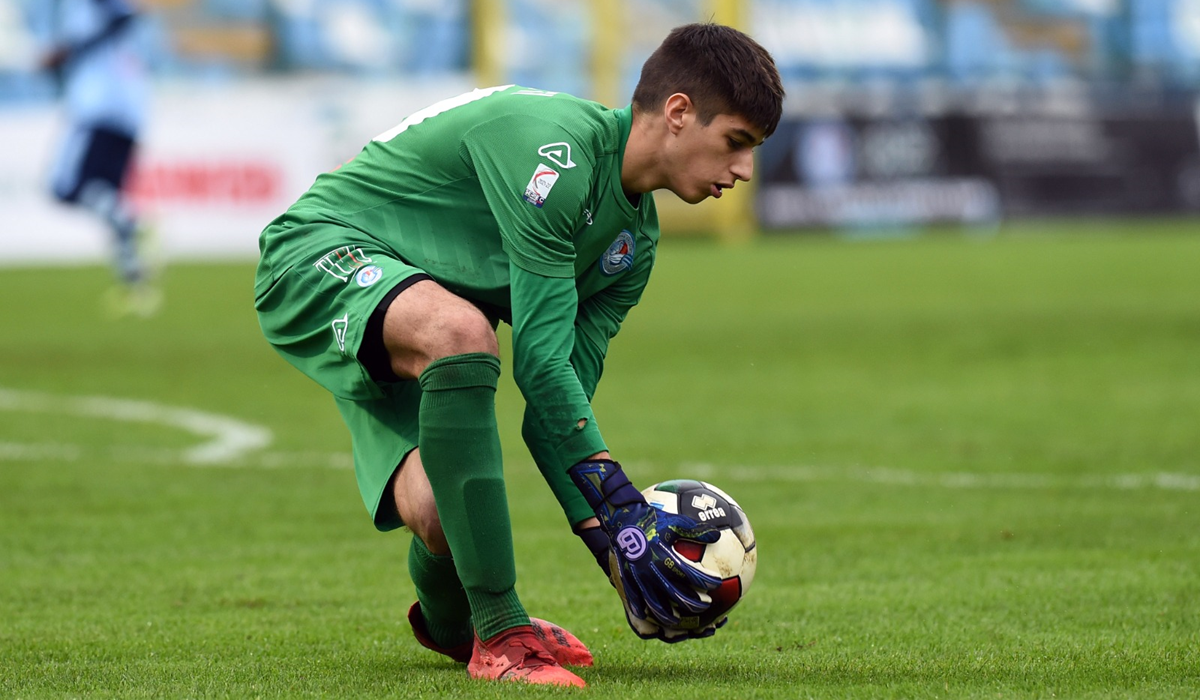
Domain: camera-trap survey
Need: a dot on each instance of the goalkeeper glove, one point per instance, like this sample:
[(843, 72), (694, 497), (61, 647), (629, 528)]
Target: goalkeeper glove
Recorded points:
[(597, 543), (650, 576)]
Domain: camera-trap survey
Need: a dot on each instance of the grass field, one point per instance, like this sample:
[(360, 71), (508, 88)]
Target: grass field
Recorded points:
[(972, 463)]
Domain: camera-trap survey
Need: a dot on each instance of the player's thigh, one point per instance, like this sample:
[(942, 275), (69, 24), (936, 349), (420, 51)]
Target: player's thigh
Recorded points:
[(91, 155), (428, 322), (315, 310), (66, 173)]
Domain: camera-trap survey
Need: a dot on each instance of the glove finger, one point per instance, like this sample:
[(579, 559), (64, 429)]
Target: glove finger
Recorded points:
[(705, 534), (684, 595), (683, 572), (676, 527), (637, 616), (631, 595), (662, 613), (658, 604)]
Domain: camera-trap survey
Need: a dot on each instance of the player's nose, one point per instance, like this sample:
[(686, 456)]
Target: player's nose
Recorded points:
[(743, 167)]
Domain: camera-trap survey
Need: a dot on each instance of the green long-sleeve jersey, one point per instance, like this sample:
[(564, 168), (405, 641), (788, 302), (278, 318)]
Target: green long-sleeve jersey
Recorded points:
[(512, 198)]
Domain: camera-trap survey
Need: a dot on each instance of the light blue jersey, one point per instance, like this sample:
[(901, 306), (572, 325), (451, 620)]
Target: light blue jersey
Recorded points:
[(105, 82)]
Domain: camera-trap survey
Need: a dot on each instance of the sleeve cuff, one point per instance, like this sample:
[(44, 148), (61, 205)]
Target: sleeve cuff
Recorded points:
[(582, 444)]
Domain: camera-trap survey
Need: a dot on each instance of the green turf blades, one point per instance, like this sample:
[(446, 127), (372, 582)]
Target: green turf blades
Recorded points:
[(971, 461)]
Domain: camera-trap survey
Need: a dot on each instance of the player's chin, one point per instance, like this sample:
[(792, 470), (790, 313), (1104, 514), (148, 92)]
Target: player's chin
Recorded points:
[(695, 197)]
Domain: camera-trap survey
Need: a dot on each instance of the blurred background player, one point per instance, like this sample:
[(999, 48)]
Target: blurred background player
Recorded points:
[(104, 86)]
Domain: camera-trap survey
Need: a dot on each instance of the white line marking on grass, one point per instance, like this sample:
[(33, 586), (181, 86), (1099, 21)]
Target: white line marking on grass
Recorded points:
[(229, 438), (13, 452), (277, 459), (59, 452), (1165, 481), (236, 444)]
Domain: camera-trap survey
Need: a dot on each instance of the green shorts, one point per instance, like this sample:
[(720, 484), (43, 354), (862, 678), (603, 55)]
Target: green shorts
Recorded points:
[(314, 308)]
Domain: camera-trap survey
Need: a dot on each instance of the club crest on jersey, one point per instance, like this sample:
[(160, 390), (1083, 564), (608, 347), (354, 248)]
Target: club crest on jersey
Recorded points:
[(619, 256), (540, 185)]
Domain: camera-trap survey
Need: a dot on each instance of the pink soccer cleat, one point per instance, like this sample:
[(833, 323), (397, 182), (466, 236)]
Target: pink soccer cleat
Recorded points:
[(518, 654)]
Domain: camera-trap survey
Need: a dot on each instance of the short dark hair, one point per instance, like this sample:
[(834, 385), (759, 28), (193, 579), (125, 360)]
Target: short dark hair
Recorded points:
[(722, 70)]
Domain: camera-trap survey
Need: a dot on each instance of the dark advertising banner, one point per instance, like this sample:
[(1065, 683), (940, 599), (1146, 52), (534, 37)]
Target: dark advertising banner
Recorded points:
[(847, 171), (1080, 165), (862, 172)]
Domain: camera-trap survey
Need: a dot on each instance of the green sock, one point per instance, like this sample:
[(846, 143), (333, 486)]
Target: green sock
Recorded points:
[(443, 601), (460, 448)]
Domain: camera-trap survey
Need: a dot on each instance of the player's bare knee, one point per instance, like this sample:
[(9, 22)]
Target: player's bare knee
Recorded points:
[(427, 323), (467, 330), (428, 527), (451, 334)]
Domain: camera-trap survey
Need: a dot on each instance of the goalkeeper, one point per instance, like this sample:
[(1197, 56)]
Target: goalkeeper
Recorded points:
[(384, 283)]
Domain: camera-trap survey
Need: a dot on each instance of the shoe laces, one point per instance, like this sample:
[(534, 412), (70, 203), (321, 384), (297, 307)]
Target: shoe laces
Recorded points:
[(534, 655)]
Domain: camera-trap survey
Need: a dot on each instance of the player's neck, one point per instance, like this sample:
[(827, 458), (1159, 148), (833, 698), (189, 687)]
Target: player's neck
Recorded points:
[(642, 169)]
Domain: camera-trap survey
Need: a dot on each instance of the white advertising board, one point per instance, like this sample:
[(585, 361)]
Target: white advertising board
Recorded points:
[(217, 163)]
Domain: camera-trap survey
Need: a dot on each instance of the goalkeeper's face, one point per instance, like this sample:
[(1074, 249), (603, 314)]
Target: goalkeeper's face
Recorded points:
[(707, 159)]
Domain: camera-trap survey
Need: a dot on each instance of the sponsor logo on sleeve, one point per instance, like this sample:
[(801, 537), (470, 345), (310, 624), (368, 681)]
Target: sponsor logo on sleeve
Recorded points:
[(558, 153), (619, 256), (342, 262), (540, 185)]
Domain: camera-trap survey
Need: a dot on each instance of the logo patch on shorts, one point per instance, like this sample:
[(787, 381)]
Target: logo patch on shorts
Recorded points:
[(619, 256), (369, 275), (540, 185), (339, 332), (342, 262)]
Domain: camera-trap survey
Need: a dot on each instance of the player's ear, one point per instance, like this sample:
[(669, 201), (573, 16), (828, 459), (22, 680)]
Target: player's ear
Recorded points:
[(676, 109)]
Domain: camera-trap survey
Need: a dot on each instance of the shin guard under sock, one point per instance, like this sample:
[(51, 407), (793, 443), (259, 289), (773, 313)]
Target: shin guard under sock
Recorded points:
[(460, 448)]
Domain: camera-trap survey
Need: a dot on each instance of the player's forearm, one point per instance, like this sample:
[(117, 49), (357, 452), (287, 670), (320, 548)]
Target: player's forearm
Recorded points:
[(543, 337), (575, 508)]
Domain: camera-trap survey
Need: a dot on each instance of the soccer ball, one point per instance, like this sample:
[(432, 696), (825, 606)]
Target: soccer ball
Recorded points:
[(734, 557)]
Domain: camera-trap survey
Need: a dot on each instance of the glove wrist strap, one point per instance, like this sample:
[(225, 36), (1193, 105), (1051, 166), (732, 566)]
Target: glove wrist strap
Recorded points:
[(596, 541), (604, 485)]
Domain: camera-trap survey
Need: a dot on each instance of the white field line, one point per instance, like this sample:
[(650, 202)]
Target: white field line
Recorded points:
[(235, 444), (1166, 481), (227, 438), (263, 459), (16, 452)]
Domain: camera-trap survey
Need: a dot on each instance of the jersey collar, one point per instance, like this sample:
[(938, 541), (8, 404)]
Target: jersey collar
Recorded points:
[(624, 117)]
